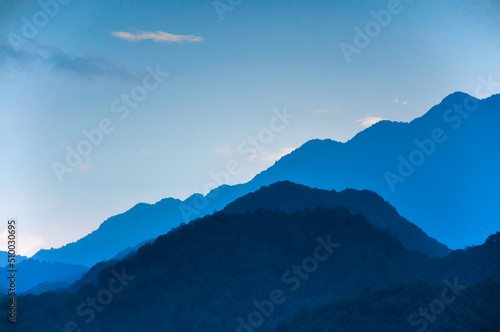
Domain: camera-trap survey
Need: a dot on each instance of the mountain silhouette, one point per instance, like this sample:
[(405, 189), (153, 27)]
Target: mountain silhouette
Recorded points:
[(117, 234), (32, 273), (451, 193), (289, 197), (473, 310), (204, 275), (456, 174), (473, 307), (4, 255), (216, 273)]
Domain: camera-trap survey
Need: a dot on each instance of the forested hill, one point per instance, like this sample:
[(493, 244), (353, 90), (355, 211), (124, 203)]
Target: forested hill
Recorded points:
[(214, 273), (287, 196)]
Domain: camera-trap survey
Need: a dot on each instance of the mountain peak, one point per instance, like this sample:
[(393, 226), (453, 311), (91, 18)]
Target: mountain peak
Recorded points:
[(456, 96)]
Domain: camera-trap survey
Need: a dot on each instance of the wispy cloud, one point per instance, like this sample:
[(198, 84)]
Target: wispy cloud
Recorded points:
[(322, 111), (404, 102), (146, 152), (283, 152), (156, 36), (369, 121), (87, 67), (226, 150), (260, 155), (270, 156), (9, 54), (326, 110), (28, 246), (85, 166)]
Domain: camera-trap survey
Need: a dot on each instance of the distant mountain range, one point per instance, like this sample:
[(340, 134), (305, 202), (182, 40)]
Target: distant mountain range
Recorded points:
[(32, 273), (226, 271), (4, 256), (449, 188), (436, 170), (289, 197), (126, 230)]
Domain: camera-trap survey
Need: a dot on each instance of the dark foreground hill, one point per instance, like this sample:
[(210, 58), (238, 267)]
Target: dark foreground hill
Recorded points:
[(226, 271), (406, 307), (204, 275), (289, 197), (458, 303)]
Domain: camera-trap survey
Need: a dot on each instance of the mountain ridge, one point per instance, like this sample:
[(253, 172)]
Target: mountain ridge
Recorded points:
[(288, 197), (215, 272), (329, 164)]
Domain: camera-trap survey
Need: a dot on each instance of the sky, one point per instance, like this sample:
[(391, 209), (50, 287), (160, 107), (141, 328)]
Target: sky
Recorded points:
[(105, 104)]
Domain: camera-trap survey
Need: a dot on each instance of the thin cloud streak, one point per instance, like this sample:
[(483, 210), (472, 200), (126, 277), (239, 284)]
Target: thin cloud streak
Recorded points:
[(369, 121), (404, 102), (224, 151), (326, 110), (271, 156), (87, 67), (156, 36)]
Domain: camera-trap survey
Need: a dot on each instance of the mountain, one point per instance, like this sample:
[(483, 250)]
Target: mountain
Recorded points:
[(32, 273), (288, 197), (456, 174), (223, 271), (91, 277), (397, 309), (4, 255), (49, 286), (130, 250), (127, 230), (472, 264), (70, 281), (436, 170), (204, 275)]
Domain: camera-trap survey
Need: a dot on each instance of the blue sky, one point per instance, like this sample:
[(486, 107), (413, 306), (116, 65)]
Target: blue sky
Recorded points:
[(226, 79)]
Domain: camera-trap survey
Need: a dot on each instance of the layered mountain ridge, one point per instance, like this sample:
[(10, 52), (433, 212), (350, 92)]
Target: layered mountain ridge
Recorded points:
[(456, 172)]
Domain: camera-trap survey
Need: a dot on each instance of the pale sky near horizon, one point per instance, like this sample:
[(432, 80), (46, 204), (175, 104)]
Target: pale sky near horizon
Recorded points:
[(226, 80)]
